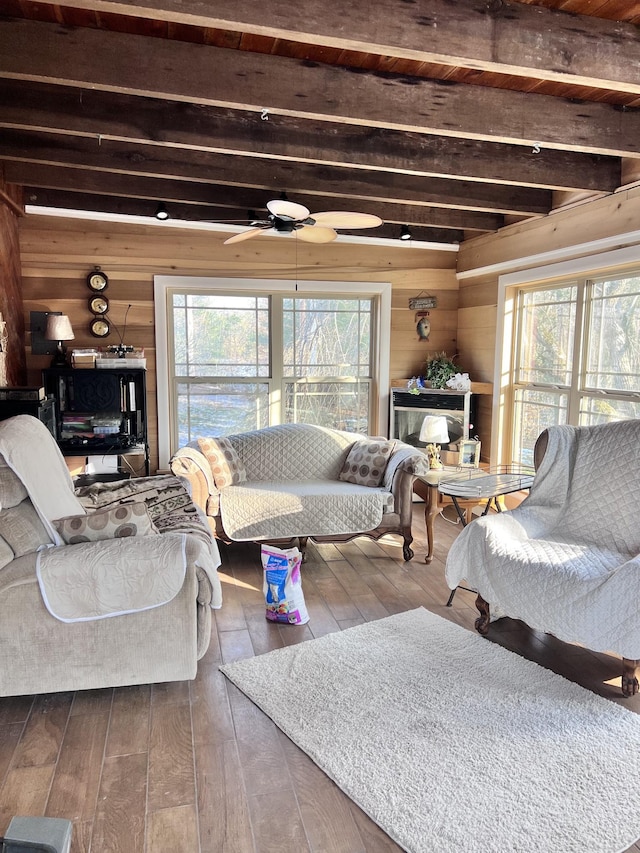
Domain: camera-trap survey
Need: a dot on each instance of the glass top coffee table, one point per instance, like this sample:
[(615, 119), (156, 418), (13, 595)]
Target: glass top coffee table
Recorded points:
[(483, 486)]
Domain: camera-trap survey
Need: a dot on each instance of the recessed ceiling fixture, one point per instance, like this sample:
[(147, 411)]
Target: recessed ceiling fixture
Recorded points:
[(161, 211), (405, 233)]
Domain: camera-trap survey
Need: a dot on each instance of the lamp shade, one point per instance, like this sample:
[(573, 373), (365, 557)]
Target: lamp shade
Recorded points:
[(58, 328), (434, 430)]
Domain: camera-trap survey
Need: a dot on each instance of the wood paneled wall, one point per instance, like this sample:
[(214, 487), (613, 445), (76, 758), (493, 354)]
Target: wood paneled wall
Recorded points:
[(481, 261), (10, 283), (57, 254)]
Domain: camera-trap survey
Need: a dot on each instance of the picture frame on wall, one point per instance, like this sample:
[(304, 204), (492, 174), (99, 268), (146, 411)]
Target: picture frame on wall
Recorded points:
[(469, 454)]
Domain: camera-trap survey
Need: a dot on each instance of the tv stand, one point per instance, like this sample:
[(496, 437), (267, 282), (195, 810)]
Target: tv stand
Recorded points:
[(100, 411)]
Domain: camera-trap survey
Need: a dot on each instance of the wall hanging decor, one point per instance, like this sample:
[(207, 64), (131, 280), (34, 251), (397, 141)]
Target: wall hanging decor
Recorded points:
[(423, 325), (97, 282), (422, 301)]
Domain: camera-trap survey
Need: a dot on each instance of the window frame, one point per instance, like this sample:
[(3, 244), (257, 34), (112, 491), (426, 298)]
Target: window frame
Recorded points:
[(164, 286), (616, 263)]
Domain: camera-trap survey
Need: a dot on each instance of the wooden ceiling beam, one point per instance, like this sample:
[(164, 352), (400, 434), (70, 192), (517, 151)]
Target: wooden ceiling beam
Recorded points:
[(204, 166), (503, 37), (110, 116), (159, 189), (178, 71), (212, 214)]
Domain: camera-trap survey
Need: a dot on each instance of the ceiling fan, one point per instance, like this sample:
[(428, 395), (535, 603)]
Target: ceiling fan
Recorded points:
[(286, 217)]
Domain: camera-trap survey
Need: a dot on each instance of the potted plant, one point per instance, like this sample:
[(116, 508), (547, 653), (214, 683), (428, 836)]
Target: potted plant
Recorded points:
[(438, 368)]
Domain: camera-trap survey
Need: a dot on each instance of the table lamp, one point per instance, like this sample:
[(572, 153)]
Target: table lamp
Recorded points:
[(435, 433), (434, 430), (59, 329)]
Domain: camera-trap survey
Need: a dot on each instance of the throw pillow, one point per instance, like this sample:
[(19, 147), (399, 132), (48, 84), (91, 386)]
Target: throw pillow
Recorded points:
[(226, 466), (366, 461), (130, 519)]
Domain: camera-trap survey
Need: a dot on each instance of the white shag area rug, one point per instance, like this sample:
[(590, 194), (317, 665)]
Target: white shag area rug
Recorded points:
[(453, 744)]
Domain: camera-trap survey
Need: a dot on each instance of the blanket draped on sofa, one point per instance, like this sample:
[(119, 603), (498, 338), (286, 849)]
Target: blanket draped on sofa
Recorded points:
[(566, 561), (114, 576)]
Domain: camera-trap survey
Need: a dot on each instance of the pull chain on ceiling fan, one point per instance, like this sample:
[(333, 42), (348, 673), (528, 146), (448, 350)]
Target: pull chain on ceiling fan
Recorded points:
[(286, 217)]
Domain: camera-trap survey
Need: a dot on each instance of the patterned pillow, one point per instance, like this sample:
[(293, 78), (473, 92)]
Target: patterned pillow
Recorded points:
[(130, 519), (226, 466), (366, 462)]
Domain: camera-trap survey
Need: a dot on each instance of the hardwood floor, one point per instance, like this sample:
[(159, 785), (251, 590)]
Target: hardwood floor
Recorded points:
[(194, 767)]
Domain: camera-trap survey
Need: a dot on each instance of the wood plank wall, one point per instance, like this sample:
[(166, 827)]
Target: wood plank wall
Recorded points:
[(10, 283), (56, 255), (522, 246)]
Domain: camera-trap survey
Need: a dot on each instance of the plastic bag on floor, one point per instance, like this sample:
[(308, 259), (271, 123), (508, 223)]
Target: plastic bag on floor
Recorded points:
[(282, 585)]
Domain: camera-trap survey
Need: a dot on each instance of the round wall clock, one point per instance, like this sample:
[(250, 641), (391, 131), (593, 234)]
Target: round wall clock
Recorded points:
[(99, 327), (98, 305), (97, 281)]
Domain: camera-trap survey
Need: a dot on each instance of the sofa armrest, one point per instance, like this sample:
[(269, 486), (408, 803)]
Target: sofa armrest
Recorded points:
[(193, 469), (405, 460)]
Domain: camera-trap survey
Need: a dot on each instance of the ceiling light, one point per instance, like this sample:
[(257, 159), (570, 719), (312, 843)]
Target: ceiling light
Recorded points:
[(405, 233), (161, 211)]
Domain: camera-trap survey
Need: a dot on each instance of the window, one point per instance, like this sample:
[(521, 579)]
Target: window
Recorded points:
[(241, 358), (576, 356)]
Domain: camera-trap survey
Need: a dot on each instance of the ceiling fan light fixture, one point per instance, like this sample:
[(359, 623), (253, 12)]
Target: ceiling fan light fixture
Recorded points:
[(288, 217), (405, 233), (161, 212)]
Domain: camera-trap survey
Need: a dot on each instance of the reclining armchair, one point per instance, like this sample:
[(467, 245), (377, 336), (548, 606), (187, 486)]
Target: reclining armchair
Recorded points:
[(106, 586), (567, 560)]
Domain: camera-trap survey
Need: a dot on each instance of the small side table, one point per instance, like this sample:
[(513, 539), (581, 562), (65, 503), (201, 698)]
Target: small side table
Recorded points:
[(426, 487), (478, 485)]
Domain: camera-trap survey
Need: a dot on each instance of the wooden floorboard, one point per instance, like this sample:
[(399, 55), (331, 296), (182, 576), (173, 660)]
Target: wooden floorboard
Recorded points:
[(195, 766)]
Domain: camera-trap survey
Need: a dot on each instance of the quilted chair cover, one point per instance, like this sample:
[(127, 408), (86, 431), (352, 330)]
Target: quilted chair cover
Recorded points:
[(566, 561)]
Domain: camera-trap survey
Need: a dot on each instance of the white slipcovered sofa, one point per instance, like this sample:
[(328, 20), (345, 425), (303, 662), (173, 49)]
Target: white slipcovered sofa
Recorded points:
[(109, 586), (299, 481)]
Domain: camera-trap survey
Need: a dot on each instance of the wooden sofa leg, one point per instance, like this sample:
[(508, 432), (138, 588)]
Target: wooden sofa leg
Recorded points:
[(482, 622), (407, 550), (629, 676), (302, 544)]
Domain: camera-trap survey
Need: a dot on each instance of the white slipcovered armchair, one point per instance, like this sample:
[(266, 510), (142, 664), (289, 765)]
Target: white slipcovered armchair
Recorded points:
[(567, 560)]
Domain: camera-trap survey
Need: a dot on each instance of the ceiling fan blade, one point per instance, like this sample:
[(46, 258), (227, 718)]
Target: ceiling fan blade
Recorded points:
[(245, 235), (345, 219), (280, 207), (315, 234)]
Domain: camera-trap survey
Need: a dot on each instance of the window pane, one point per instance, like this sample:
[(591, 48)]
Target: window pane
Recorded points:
[(327, 337), (596, 410), (533, 412), (218, 408), (331, 404), (221, 335), (613, 362), (547, 323)]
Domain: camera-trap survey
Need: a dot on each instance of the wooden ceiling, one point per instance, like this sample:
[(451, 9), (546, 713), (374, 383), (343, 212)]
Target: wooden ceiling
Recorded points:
[(452, 116)]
